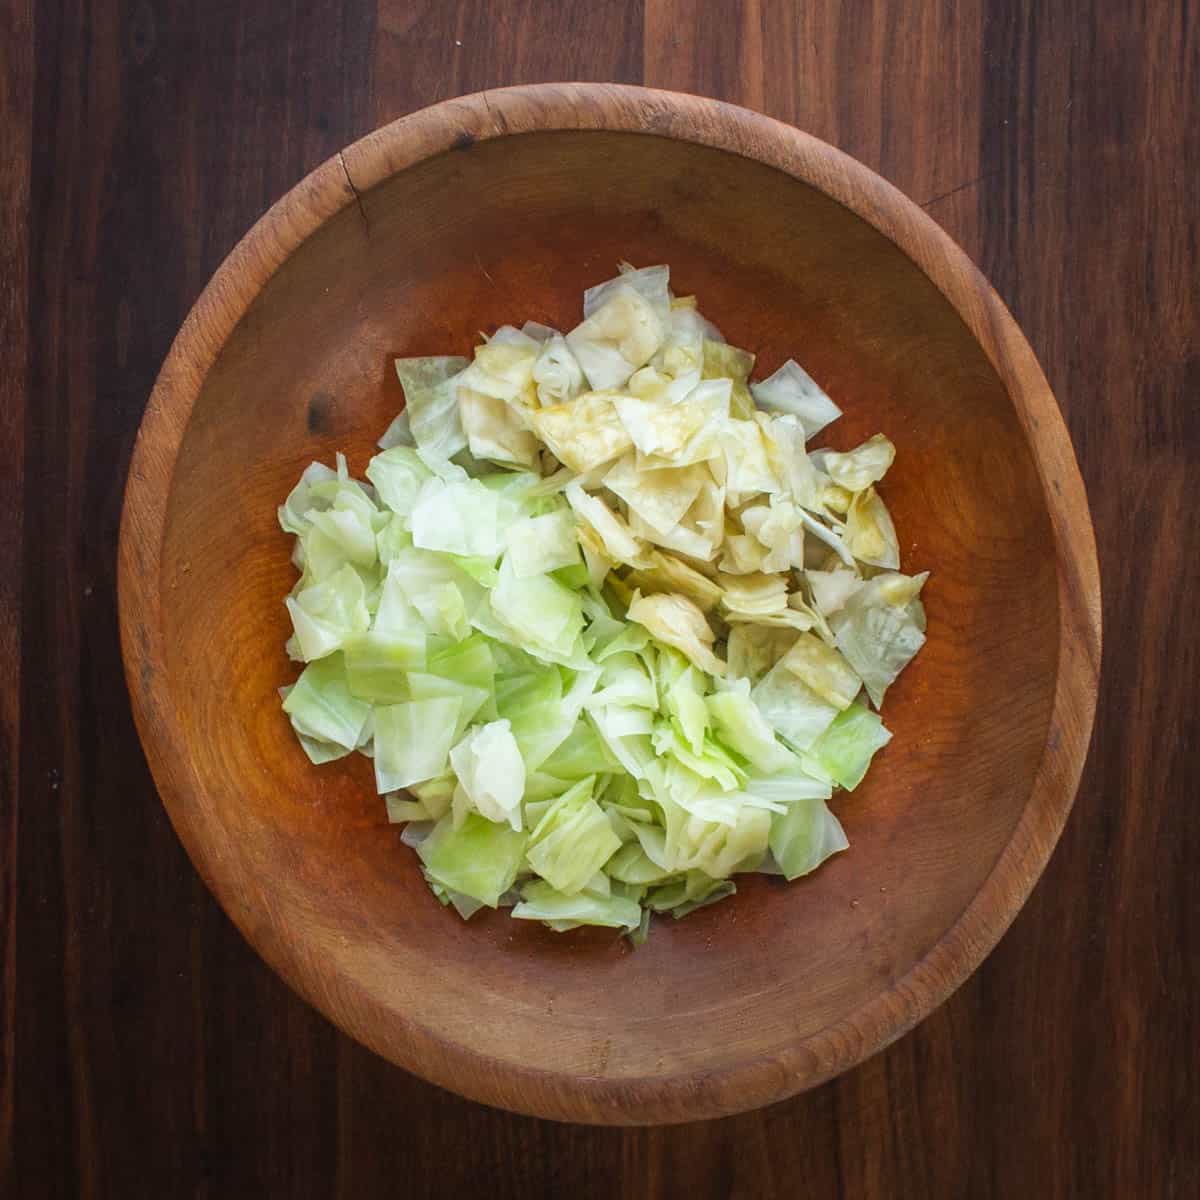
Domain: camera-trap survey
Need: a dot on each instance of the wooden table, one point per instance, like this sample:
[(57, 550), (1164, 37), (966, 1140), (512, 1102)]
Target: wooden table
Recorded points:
[(144, 1049)]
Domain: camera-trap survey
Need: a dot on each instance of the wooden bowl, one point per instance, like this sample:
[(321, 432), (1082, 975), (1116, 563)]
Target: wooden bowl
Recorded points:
[(503, 207)]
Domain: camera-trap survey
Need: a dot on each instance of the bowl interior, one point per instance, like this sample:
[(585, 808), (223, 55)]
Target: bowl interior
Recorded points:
[(514, 229)]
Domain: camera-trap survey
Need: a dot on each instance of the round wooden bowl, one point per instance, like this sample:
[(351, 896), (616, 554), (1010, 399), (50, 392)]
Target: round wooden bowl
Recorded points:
[(503, 207)]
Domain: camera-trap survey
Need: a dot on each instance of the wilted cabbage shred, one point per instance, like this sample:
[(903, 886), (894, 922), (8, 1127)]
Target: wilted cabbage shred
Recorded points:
[(609, 631)]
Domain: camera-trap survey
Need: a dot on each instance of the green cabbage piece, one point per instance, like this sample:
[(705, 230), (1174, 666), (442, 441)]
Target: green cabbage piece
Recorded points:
[(464, 519), (479, 858), (541, 902), (541, 544), (323, 709), (804, 836), (543, 616), (490, 772), (327, 615), (573, 840), (412, 741), (844, 751), (694, 890), (378, 663), (398, 475), (743, 728)]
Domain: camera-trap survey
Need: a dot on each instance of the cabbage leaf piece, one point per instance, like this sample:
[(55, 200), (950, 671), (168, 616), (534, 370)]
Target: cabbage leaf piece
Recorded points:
[(583, 434), (431, 402), (804, 836), (870, 534), (412, 741), (491, 774), (573, 840), (621, 335), (557, 374), (844, 751), (676, 621), (322, 708), (541, 902), (880, 629), (478, 858), (857, 469), (793, 390)]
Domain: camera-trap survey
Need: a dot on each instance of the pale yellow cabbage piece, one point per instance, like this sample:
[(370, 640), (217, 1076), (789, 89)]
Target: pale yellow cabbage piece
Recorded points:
[(653, 284), (857, 469), (651, 384), (620, 336), (502, 370), (556, 372), (752, 650), (723, 361), (583, 433), (707, 407), (660, 498), (790, 618), (778, 527), (699, 534), (495, 430), (831, 589), (747, 466), (659, 426), (742, 554), (870, 535), (823, 669), (603, 532), (754, 595), (676, 621), (666, 573)]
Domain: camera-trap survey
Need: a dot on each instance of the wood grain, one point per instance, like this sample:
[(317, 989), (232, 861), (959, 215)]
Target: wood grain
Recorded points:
[(16, 127), (1067, 141)]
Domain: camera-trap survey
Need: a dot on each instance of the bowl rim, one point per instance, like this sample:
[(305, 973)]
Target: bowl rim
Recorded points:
[(288, 947)]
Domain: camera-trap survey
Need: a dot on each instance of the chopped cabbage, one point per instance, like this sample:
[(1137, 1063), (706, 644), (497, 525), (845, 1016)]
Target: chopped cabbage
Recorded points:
[(431, 401), (599, 619), (478, 858), (844, 751), (804, 835), (491, 774), (556, 372), (857, 469), (619, 336), (793, 390), (676, 621), (412, 741), (573, 840), (584, 433), (870, 534)]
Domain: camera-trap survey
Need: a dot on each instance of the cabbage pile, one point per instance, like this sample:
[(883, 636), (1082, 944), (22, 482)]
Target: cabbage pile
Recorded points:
[(610, 633)]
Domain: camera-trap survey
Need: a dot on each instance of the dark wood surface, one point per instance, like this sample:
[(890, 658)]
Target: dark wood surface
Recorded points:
[(144, 1049)]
